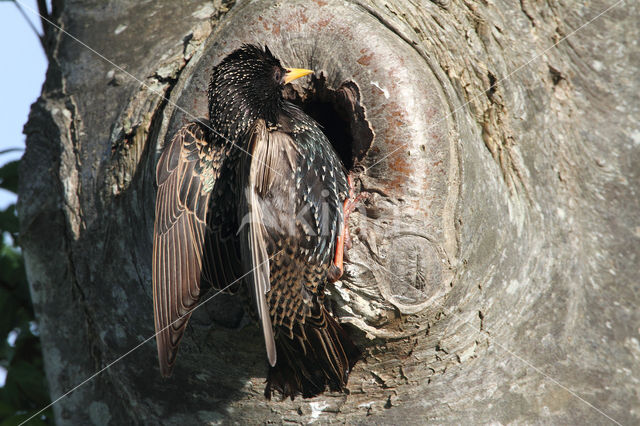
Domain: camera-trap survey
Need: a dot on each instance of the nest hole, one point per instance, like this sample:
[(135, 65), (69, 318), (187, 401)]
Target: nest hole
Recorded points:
[(340, 114)]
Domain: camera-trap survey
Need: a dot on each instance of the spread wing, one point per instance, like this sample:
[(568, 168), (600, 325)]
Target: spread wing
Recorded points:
[(185, 249), (271, 163)]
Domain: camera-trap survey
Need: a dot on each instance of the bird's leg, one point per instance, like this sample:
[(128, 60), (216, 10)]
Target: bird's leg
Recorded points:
[(344, 238), (337, 267)]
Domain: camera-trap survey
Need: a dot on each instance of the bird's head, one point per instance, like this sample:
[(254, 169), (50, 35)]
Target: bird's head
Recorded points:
[(247, 85)]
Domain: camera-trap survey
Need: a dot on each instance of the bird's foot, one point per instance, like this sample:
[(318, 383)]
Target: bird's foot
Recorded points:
[(344, 239)]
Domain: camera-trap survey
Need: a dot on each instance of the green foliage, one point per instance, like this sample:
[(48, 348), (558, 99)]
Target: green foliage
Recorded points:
[(25, 389), (9, 176)]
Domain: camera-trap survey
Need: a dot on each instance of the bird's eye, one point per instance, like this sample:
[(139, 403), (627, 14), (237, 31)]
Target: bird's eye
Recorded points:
[(277, 75)]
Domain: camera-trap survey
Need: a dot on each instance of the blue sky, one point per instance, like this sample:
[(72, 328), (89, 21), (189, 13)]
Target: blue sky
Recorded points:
[(21, 75)]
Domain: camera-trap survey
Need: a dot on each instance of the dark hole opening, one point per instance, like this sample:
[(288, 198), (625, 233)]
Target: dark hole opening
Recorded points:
[(556, 75), (341, 116), (492, 85)]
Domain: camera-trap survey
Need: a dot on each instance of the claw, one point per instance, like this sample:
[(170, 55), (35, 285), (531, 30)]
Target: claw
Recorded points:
[(344, 238)]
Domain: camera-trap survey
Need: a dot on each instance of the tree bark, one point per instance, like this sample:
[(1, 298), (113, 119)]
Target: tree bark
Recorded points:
[(494, 270)]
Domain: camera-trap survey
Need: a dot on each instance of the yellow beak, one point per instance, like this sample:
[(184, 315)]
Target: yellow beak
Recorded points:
[(293, 73)]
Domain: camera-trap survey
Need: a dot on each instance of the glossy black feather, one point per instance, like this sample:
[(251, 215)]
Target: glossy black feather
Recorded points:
[(263, 184)]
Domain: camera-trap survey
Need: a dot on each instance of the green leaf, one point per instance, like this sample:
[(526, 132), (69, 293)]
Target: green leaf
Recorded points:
[(9, 220), (6, 409), (9, 176), (26, 383), (8, 308), (12, 273)]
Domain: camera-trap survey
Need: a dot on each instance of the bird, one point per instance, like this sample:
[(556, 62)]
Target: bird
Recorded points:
[(256, 192)]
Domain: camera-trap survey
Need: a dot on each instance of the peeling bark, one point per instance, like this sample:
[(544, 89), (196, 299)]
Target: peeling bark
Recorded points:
[(495, 258)]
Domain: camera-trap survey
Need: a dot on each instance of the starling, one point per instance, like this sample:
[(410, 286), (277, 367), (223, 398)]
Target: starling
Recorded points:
[(255, 191)]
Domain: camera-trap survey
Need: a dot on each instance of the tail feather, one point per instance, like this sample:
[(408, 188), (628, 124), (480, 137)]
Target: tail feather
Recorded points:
[(321, 354)]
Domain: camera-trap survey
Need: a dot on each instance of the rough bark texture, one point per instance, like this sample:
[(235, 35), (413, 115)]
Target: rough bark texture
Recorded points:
[(494, 271)]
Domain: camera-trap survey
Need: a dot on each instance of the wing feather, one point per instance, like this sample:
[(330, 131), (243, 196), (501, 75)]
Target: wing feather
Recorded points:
[(272, 162), (180, 232), (257, 238)]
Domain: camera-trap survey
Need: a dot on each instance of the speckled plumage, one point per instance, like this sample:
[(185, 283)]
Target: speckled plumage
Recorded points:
[(265, 170)]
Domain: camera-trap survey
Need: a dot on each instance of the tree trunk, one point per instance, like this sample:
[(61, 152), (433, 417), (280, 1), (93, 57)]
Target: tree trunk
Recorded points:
[(493, 275)]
